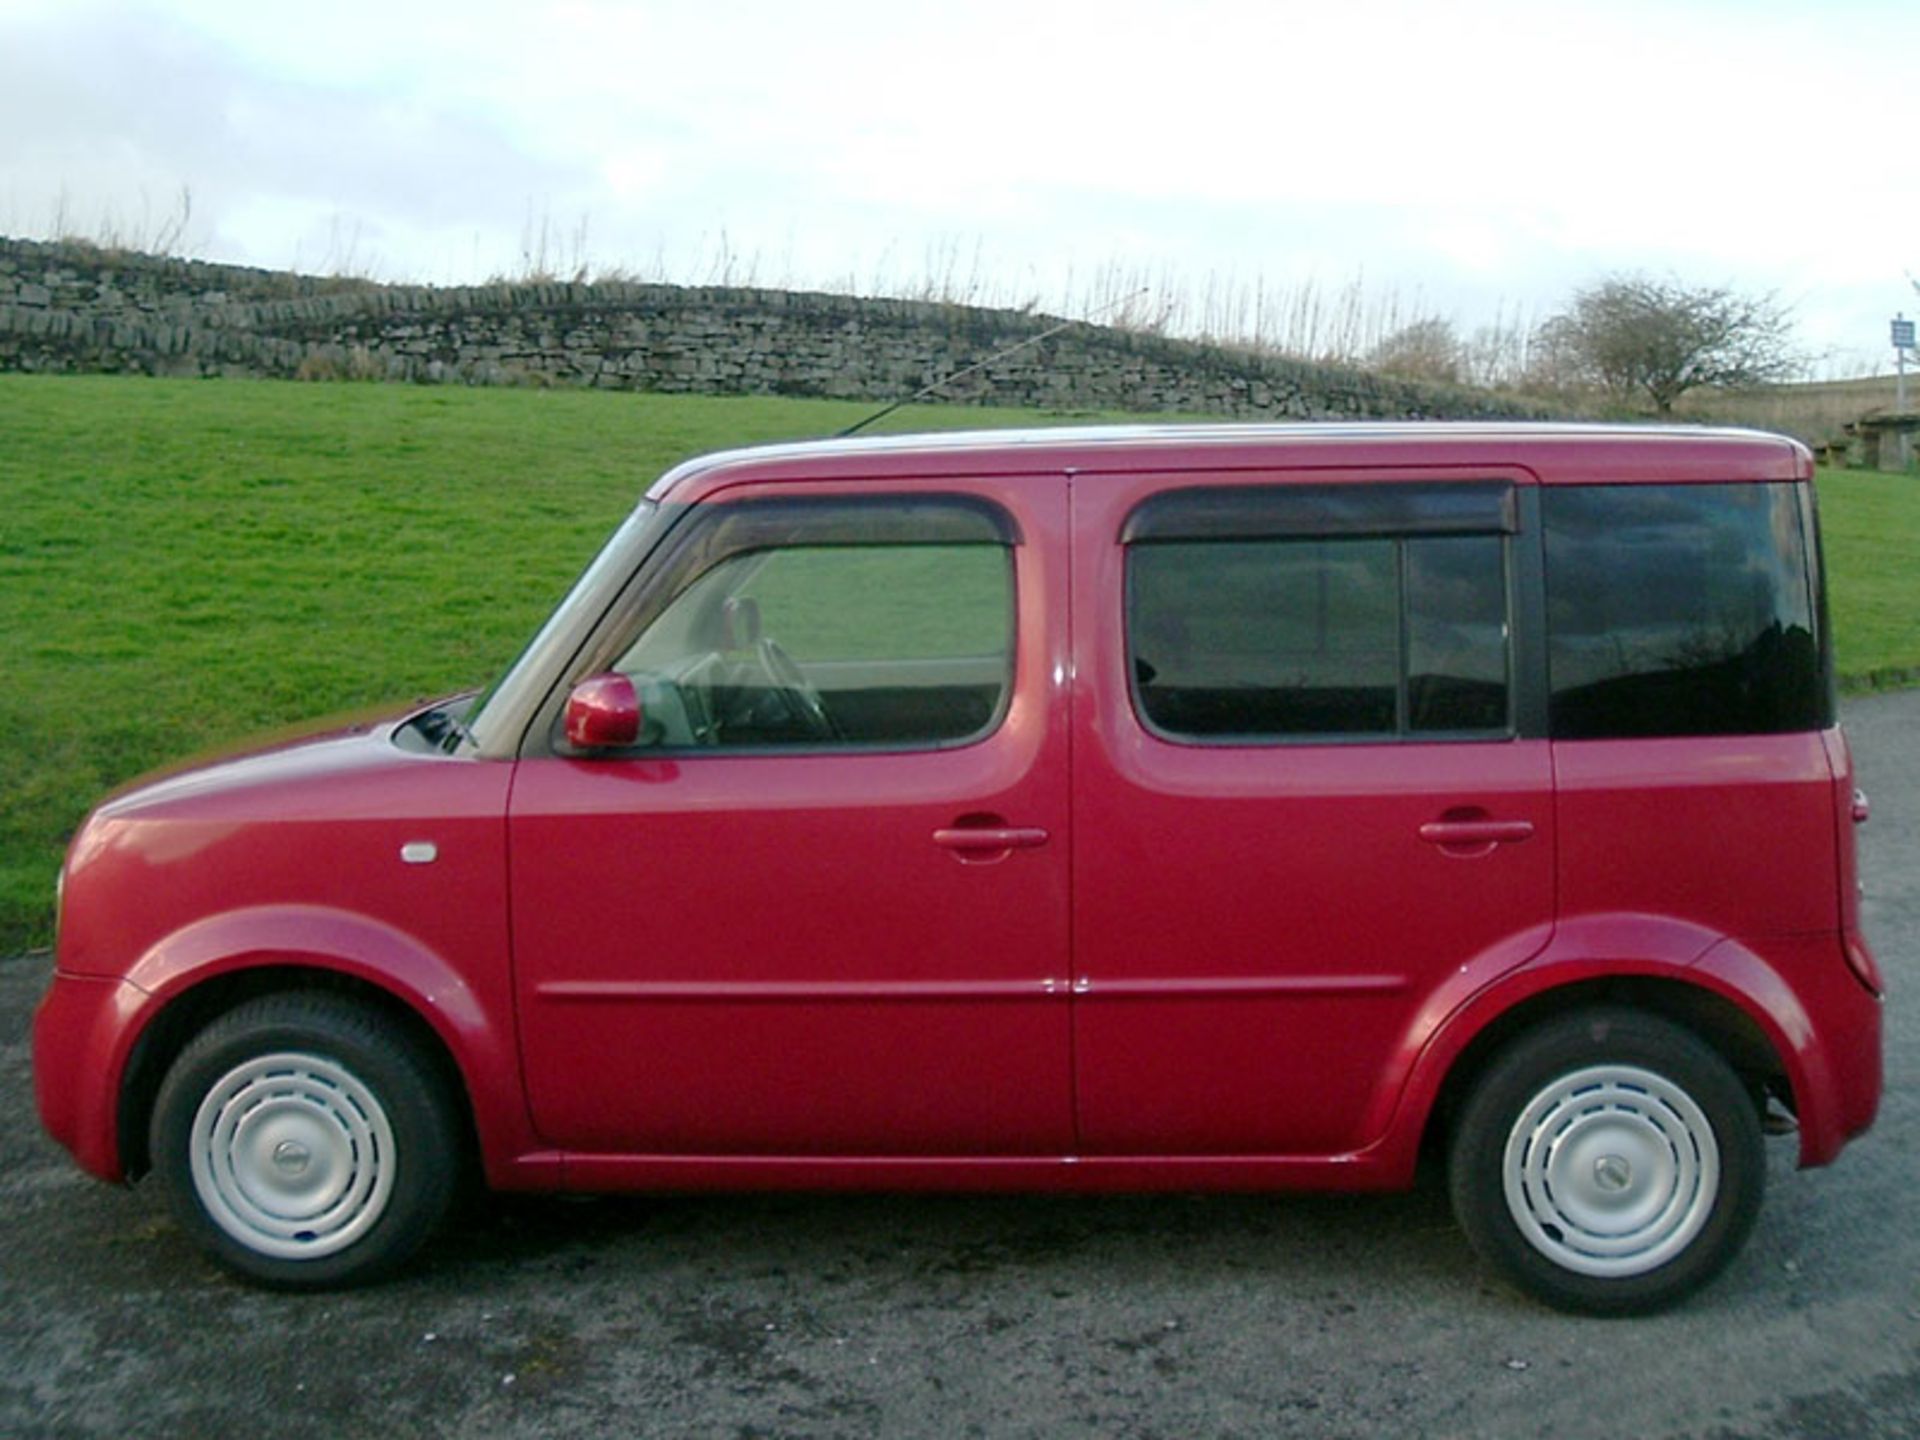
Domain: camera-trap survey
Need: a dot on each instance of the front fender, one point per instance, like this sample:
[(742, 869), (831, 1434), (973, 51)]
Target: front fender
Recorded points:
[(328, 939), (476, 1028)]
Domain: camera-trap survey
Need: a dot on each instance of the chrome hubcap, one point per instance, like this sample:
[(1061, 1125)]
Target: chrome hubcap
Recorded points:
[(1611, 1171), (292, 1156)]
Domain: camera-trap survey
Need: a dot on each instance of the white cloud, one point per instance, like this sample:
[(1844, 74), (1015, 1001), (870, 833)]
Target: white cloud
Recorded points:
[(1444, 150)]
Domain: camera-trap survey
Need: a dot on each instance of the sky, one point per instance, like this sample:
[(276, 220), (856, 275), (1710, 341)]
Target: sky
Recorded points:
[(1477, 160)]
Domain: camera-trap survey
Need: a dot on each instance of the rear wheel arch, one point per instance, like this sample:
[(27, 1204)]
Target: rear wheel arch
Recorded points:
[(1726, 1028)]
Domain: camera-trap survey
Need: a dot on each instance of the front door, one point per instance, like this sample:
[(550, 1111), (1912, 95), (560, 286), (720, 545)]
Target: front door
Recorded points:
[(821, 908)]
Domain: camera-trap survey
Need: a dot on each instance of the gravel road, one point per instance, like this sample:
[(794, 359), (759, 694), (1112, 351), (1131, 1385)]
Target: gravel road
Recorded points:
[(790, 1316)]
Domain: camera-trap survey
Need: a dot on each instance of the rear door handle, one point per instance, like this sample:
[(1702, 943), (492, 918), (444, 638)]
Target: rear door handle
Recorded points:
[(1476, 832), (1012, 837)]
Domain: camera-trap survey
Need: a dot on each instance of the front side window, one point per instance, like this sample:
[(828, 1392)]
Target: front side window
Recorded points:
[(1679, 610), (858, 645), (1297, 635)]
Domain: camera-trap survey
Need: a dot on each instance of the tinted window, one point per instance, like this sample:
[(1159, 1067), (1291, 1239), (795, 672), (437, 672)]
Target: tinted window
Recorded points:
[(1294, 638), (1680, 610), (1456, 634), (831, 645)]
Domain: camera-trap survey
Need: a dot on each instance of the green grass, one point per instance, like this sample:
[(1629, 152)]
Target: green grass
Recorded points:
[(1870, 525), (184, 563)]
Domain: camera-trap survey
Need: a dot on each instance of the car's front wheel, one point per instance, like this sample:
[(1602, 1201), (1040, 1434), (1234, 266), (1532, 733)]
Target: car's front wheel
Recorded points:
[(305, 1140), (1609, 1162)]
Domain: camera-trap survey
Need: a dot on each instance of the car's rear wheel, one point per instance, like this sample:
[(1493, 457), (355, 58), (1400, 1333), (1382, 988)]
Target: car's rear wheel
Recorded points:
[(1608, 1161), (305, 1140)]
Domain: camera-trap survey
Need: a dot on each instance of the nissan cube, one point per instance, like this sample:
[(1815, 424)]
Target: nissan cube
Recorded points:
[(1230, 807)]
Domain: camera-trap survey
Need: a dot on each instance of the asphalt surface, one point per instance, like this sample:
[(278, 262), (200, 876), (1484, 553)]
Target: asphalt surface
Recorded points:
[(807, 1315)]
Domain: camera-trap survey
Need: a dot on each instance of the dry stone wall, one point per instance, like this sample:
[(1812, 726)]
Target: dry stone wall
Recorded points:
[(75, 308)]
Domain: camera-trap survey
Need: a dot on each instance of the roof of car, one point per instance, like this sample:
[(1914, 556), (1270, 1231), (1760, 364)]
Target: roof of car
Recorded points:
[(1557, 452)]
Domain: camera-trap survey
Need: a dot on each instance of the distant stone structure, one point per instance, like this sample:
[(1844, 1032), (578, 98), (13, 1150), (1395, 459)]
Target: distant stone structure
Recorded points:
[(69, 307), (1884, 440)]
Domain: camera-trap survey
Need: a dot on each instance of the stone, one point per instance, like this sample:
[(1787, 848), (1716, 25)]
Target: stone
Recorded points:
[(230, 320)]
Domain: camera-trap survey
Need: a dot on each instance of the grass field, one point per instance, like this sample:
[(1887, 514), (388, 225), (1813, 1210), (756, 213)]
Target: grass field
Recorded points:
[(1870, 525), (183, 563)]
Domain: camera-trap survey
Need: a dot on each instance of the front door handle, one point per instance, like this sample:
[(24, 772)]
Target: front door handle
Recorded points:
[(1476, 832), (976, 838)]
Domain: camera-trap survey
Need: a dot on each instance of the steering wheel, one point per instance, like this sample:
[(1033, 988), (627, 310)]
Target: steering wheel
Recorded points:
[(798, 693)]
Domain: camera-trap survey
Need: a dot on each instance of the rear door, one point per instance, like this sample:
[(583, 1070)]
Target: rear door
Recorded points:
[(1313, 806)]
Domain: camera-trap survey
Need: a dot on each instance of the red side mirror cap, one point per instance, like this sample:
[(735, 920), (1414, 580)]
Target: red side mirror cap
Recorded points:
[(603, 712)]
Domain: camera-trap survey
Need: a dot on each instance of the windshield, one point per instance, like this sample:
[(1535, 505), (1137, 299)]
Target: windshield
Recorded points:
[(498, 703)]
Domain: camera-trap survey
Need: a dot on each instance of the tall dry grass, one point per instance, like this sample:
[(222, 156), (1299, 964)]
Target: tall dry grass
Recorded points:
[(1354, 321)]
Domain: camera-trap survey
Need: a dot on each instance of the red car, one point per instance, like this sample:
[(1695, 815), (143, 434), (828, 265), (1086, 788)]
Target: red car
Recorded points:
[(1227, 807)]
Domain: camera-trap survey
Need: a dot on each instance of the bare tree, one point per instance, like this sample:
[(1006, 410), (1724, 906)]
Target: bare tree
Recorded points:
[(1495, 354), (1425, 350), (1659, 339)]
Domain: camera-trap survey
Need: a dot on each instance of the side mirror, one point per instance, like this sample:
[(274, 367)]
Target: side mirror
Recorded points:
[(603, 713)]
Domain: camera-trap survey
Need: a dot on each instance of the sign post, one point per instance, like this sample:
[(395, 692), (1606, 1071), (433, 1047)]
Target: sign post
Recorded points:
[(1902, 343)]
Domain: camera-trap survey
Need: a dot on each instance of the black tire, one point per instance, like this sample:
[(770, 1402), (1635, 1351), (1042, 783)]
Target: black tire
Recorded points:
[(306, 1141), (1608, 1162)]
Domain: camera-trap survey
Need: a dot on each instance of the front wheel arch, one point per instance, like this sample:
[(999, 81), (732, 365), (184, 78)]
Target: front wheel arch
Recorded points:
[(190, 1012)]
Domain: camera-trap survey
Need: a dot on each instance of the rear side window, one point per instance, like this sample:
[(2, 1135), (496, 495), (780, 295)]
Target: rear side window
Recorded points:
[(1336, 634), (1678, 610)]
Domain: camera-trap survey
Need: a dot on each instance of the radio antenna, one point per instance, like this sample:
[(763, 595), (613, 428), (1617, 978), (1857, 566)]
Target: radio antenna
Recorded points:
[(945, 380)]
